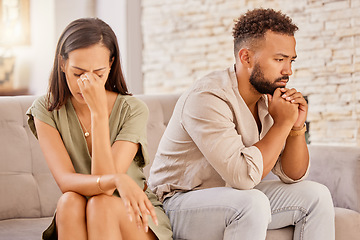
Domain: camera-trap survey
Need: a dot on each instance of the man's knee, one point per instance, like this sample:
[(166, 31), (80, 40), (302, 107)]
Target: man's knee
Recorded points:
[(260, 205), (318, 195), (255, 206)]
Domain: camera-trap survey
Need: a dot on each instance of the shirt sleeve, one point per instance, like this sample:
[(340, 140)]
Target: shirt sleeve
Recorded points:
[(278, 171), (133, 128), (39, 110), (212, 128)]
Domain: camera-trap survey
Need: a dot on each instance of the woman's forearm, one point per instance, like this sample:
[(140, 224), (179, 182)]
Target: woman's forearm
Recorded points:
[(88, 185), (102, 158)]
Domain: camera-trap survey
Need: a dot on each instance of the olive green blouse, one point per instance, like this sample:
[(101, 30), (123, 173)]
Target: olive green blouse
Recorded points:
[(127, 122)]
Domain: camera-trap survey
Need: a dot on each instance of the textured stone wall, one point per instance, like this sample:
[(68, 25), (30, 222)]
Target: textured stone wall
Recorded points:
[(185, 39)]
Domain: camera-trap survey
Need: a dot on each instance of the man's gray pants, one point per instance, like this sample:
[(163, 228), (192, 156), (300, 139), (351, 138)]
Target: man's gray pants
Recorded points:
[(229, 214)]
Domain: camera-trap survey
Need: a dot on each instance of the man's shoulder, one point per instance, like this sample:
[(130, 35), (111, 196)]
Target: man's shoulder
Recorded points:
[(215, 81)]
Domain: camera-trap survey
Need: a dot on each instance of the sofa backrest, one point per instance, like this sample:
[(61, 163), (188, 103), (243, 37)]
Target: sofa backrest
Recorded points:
[(160, 111), (27, 188), (338, 168)]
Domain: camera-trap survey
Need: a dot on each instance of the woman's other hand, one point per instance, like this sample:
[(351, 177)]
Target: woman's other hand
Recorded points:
[(135, 200)]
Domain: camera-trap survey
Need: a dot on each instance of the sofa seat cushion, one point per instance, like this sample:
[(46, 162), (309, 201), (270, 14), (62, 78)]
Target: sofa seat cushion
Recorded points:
[(24, 228), (347, 224), (280, 234)]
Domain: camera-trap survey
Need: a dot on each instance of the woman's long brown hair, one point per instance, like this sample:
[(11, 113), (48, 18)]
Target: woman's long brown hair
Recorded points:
[(78, 34)]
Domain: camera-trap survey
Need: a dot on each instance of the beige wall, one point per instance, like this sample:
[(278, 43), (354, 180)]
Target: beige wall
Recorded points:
[(50, 17), (185, 39)]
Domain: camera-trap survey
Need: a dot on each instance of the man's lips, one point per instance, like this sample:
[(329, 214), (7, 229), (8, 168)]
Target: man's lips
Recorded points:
[(283, 80)]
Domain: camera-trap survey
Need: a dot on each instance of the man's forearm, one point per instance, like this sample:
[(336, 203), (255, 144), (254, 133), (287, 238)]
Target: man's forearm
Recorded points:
[(271, 145), (295, 157)]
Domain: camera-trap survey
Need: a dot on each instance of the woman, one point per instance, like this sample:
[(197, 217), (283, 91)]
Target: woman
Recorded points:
[(93, 136)]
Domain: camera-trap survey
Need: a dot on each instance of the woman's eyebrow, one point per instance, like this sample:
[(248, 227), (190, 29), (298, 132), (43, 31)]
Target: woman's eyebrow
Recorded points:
[(84, 70)]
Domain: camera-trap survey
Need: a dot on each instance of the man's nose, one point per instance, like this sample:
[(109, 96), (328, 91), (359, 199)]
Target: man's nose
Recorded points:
[(287, 70)]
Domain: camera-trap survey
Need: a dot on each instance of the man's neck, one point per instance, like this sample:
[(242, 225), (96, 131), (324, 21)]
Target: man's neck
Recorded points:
[(246, 90)]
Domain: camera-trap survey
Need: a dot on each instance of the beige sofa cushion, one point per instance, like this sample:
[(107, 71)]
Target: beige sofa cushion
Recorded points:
[(160, 111), (338, 168), (24, 176), (347, 224)]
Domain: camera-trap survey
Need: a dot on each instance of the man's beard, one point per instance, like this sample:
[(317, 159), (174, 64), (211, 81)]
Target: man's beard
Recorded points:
[(261, 84)]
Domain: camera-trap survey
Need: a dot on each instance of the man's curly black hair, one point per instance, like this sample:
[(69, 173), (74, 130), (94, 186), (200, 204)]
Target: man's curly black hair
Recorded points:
[(253, 25)]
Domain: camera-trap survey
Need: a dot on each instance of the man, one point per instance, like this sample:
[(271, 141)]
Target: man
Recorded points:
[(228, 132)]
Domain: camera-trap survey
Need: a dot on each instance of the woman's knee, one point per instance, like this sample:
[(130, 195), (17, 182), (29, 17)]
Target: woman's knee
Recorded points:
[(97, 204), (71, 204), (102, 206)]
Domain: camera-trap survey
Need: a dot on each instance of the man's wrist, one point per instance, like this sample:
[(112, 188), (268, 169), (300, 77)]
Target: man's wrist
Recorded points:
[(297, 128), (297, 131), (284, 126)]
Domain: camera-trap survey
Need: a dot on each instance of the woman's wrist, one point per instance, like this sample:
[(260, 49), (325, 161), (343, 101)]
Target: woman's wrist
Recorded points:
[(99, 115), (106, 183)]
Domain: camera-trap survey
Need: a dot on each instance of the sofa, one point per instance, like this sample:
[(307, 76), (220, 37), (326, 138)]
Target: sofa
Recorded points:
[(28, 192)]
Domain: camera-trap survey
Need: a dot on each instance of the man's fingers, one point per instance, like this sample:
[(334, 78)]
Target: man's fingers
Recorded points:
[(288, 93), (298, 99), (294, 97), (277, 92)]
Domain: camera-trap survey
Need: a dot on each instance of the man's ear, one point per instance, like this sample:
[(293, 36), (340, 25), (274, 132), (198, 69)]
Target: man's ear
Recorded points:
[(245, 57)]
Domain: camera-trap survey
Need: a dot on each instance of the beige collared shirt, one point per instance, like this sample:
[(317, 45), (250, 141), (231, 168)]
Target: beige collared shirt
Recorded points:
[(209, 140)]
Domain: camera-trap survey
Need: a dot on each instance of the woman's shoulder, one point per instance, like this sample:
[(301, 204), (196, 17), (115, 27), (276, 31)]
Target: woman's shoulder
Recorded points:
[(40, 105), (133, 103), (41, 101)]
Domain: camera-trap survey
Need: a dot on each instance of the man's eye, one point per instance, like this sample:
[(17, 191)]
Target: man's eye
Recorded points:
[(293, 60), (77, 75), (279, 59), (101, 75)]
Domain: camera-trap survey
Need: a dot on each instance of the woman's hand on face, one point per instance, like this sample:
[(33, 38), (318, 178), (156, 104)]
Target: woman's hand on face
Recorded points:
[(93, 91), (137, 204)]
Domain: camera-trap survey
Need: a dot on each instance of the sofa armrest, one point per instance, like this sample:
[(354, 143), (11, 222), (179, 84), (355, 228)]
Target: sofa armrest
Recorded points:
[(338, 168)]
